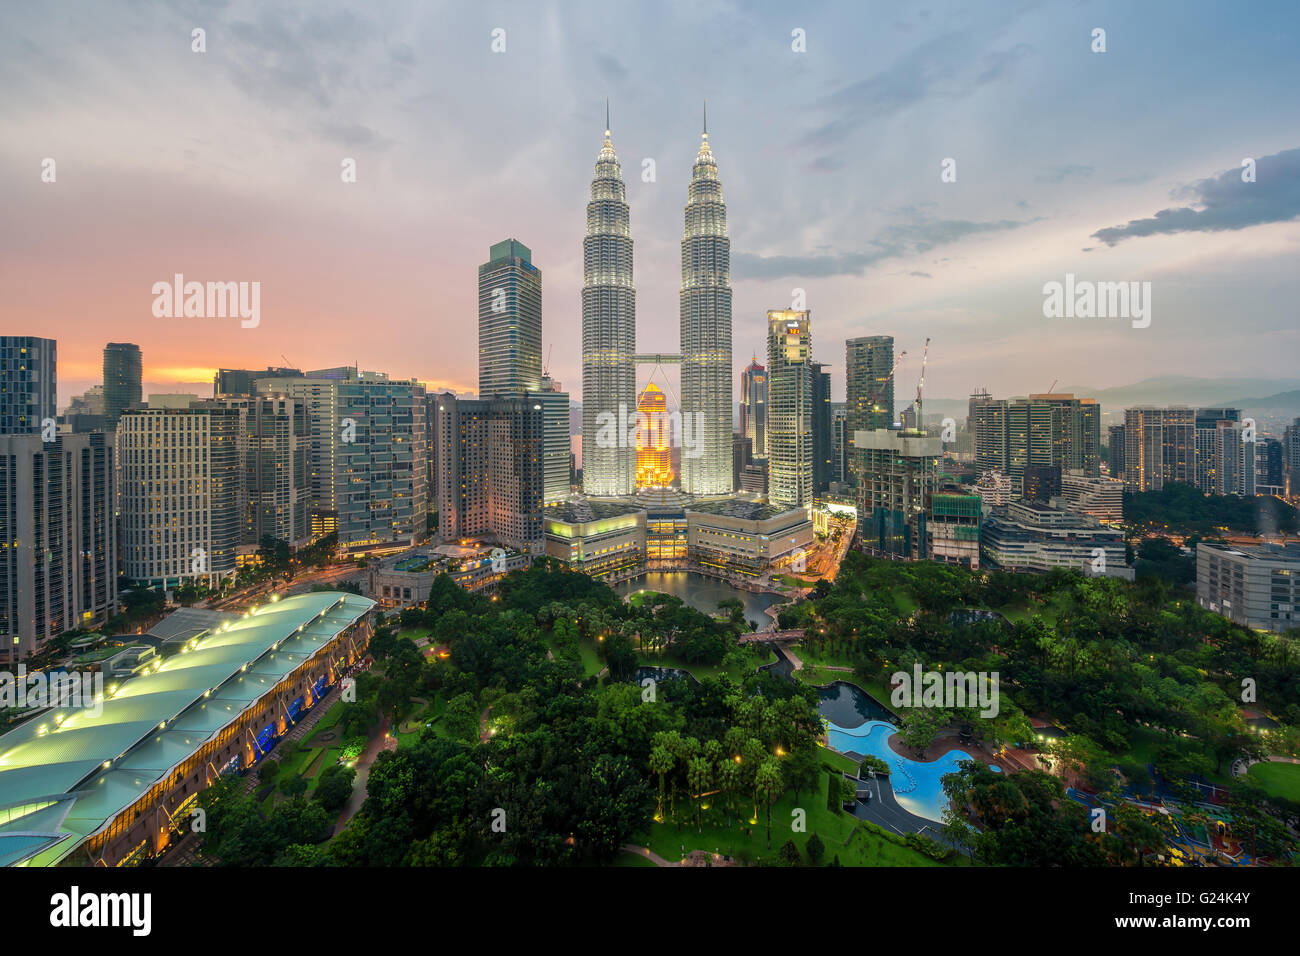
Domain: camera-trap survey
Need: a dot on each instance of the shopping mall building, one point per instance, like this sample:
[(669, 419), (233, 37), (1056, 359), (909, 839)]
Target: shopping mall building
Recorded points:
[(115, 783)]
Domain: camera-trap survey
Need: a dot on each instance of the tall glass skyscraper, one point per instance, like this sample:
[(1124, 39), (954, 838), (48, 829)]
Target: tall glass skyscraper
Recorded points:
[(608, 334), (509, 322), (753, 408), (122, 374), (706, 332)]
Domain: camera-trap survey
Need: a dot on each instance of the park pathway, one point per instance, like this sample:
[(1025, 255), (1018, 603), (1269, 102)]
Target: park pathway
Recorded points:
[(649, 854), (374, 747)]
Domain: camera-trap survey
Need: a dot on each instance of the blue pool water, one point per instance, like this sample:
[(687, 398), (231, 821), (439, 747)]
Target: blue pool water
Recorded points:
[(917, 786)]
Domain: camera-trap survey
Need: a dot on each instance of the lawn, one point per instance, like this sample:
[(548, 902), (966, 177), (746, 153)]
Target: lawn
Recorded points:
[(822, 656), (855, 842), (414, 633), (1278, 779)]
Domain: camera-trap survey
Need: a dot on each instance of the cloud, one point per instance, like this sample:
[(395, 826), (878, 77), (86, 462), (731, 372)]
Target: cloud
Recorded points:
[(936, 67), (1058, 174), (900, 239), (1225, 202)]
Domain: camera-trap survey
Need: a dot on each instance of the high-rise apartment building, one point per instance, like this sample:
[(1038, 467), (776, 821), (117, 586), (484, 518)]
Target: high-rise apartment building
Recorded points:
[(28, 384), (509, 322), (823, 440), (556, 452), (869, 382), (608, 332), (123, 371), (1159, 447), (1115, 452), (1049, 430), (705, 312), (789, 408), (181, 493), (491, 478), (275, 443), (59, 538), (1208, 442), (841, 442), (242, 381), (382, 467)]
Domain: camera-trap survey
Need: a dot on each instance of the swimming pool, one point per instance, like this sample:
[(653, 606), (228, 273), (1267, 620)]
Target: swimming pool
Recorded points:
[(917, 786)]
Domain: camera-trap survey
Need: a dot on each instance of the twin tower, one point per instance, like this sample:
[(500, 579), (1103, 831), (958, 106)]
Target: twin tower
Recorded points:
[(609, 357)]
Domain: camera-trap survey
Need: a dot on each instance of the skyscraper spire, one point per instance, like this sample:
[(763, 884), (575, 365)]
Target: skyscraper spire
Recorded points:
[(705, 303), (706, 119), (608, 332)]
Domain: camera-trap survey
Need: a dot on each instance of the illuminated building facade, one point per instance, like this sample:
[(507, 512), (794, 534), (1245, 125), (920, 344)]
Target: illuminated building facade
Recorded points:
[(789, 408), (608, 331), (705, 310), (653, 456)]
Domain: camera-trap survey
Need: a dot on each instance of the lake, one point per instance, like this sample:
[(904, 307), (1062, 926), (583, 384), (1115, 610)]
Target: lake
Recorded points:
[(702, 592)]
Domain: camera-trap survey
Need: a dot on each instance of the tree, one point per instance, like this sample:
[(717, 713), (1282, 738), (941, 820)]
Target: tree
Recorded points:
[(789, 853), (661, 763), (768, 782), (815, 849), (334, 787), (699, 774)]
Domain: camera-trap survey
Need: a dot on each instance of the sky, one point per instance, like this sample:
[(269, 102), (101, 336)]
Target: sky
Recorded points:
[(225, 165)]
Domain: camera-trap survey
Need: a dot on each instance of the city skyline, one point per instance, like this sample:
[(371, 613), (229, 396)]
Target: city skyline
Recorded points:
[(850, 206)]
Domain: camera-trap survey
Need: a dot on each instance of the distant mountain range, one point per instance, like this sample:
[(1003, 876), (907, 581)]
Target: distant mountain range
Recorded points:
[(1272, 397)]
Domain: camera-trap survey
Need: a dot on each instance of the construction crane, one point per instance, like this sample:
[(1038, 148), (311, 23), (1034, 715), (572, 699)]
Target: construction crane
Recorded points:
[(920, 384), (875, 392), (1053, 385), (546, 369)]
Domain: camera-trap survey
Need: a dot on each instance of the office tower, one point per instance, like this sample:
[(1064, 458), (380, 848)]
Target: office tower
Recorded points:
[(823, 441), (706, 330), (275, 440), (789, 408), (381, 460), (1100, 498), (241, 381), (180, 486), (319, 395), (491, 477), (840, 442), (653, 466), (740, 457), (897, 479), (1207, 446), (28, 384), (1115, 452), (509, 322), (1032, 536), (753, 408), (556, 455), (1052, 430), (60, 554), (122, 380), (1042, 482), (869, 382), (1159, 447), (608, 332)]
